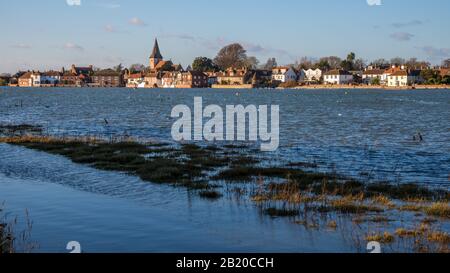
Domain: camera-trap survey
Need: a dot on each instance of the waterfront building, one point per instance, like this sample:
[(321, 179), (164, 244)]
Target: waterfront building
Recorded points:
[(107, 78), (370, 75), (50, 78), (193, 79), (135, 80), (313, 75), (403, 78), (284, 74), (153, 79), (233, 76), (338, 76), (25, 80)]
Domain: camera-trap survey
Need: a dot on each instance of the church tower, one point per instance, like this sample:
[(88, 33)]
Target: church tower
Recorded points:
[(156, 56)]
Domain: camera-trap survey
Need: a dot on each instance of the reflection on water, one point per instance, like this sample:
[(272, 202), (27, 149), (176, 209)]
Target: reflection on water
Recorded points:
[(364, 133)]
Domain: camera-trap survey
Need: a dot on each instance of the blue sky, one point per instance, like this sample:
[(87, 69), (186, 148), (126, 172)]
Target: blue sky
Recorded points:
[(49, 34)]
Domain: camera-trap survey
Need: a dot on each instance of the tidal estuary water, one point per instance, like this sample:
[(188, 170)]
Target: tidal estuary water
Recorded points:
[(366, 134)]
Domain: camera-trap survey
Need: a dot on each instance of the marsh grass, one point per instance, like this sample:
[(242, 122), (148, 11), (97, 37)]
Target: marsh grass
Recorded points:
[(439, 209), (281, 191), (348, 206), (384, 238), (6, 237), (13, 241)]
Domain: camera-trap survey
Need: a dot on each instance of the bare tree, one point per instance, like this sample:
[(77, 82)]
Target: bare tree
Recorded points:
[(233, 55), (271, 63), (398, 61), (251, 62), (305, 63), (333, 61), (380, 63)]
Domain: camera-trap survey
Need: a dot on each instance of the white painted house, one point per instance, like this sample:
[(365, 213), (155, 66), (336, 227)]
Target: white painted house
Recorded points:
[(312, 75), (50, 77), (372, 74), (36, 79), (135, 80), (404, 78), (338, 76), (284, 74)]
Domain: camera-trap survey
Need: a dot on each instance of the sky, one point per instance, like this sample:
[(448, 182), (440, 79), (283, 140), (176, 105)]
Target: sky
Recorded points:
[(50, 34)]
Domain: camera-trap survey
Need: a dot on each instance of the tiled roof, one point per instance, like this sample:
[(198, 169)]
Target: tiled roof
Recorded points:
[(374, 72), (406, 73), (26, 76), (106, 72), (337, 72), (52, 73), (400, 73)]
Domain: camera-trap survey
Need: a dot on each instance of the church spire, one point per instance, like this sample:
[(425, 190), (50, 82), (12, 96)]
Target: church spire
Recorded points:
[(156, 54)]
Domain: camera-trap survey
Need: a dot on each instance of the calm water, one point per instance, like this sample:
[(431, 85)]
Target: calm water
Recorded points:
[(362, 133)]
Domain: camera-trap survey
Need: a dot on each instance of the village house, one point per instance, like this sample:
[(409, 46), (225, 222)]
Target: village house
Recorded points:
[(25, 80), (193, 79), (76, 76), (393, 69), (36, 79), (313, 75), (30, 79), (338, 76), (371, 75), (284, 74), (50, 78), (134, 80), (153, 79), (107, 78), (234, 76), (403, 78), (212, 77), (68, 79), (170, 79)]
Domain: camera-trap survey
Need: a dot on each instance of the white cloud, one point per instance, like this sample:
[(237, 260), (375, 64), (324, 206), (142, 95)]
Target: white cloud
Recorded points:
[(402, 36), (374, 2), (137, 22), (73, 2), (72, 46)]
